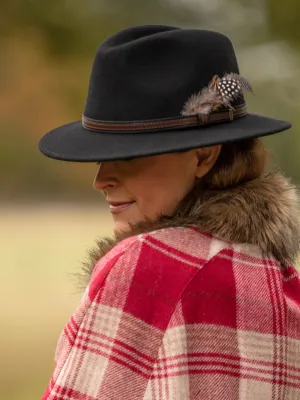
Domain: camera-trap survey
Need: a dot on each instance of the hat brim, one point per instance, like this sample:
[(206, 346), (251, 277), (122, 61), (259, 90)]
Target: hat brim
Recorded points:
[(72, 142)]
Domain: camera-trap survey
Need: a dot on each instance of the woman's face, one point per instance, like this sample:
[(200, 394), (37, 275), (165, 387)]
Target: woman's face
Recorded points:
[(149, 186)]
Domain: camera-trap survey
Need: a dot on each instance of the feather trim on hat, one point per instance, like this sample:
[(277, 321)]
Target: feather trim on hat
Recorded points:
[(219, 93)]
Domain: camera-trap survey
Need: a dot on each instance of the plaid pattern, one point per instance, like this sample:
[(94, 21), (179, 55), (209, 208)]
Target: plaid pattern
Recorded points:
[(179, 314)]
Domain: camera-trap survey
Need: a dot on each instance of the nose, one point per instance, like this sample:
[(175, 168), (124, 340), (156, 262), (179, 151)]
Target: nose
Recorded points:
[(106, 176)]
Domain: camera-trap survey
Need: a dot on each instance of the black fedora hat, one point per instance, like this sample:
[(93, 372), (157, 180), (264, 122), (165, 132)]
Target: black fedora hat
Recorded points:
[(160, 89)]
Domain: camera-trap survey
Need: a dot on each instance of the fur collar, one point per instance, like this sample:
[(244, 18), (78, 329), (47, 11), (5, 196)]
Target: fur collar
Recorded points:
[(263, 212)]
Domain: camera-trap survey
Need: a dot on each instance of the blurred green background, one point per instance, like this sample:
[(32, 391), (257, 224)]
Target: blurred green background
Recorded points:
[(49, 213)]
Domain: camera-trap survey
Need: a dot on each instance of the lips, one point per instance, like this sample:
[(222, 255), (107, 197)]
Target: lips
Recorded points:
[(116, 207)]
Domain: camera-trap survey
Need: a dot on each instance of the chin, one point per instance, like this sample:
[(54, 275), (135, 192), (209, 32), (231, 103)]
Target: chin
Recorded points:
[(121, 226), (125, 225)]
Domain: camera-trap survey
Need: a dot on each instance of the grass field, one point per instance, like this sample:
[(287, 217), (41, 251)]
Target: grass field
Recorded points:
[(40, 247)]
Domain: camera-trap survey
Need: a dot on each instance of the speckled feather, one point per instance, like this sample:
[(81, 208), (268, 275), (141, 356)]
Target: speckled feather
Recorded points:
[(203, 102), (244, 84), (219, 92)]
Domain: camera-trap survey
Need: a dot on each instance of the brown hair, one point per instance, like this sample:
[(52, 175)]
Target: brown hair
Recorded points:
[(238, 162)]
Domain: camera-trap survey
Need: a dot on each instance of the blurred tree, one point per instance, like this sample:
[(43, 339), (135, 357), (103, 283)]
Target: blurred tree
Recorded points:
[(283, 19), (77, 26)]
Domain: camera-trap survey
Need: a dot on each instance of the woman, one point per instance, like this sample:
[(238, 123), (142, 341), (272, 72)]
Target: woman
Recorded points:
[(196, 296)]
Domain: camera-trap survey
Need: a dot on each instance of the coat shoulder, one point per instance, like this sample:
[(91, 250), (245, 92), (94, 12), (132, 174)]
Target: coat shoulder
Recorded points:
[(183, 243), (189, 245)]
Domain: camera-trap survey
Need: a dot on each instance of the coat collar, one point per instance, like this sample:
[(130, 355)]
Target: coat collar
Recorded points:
[(263, 212)]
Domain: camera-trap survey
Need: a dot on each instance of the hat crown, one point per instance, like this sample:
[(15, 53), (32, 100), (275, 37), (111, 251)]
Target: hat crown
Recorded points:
[(149, 72)]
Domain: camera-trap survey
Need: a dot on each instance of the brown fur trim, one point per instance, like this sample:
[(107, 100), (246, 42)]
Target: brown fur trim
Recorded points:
[(103, 246), (263, 212)]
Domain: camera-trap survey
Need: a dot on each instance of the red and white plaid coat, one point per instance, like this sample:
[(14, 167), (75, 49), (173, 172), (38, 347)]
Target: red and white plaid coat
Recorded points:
[(180, 314)]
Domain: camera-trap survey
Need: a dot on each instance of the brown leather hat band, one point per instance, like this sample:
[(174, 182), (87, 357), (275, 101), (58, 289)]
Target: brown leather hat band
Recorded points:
[(166, 123)]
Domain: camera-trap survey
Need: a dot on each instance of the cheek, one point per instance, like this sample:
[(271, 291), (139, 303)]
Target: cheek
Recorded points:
[(162, 195)]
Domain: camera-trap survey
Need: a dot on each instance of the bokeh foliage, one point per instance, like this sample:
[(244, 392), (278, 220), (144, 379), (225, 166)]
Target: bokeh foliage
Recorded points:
[(283, 19)]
